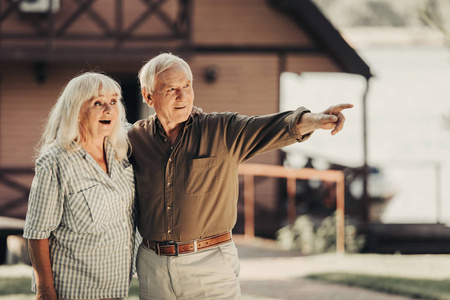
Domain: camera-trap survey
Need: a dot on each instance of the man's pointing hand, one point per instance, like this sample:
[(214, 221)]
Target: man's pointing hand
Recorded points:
[(330, 119)]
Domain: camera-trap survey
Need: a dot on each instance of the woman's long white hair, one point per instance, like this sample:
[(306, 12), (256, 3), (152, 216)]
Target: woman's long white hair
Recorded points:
[(63, 126)]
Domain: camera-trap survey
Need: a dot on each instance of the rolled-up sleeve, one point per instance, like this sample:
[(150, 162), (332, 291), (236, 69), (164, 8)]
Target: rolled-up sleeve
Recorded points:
[(45, 206), (294, 120)]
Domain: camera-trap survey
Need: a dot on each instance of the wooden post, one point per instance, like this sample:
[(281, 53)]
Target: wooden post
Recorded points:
[(340, 214), (249, 206), (291, 207)]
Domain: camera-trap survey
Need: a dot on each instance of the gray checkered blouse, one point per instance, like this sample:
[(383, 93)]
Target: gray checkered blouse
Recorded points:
[(88, 217)]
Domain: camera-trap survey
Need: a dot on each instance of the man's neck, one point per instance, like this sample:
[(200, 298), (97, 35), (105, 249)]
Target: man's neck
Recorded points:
[(172, 130)]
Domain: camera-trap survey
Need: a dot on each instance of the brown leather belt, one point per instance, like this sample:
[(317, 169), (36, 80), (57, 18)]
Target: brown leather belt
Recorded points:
[(171, 248)]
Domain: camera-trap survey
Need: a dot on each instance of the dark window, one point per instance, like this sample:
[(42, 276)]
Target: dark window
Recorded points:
[(131, 95)]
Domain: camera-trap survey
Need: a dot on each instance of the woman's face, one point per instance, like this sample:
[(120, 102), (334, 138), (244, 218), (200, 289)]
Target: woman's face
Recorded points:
[(98, 116)]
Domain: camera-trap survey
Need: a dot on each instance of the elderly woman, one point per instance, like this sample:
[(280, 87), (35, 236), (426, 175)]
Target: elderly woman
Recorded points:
[(80, 223)]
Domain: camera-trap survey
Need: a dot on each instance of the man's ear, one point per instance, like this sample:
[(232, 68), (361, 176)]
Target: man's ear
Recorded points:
[(147, 97)]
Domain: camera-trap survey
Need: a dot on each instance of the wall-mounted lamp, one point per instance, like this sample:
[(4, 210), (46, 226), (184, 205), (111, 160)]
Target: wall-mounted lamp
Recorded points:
[(41, 71), (211, 74)]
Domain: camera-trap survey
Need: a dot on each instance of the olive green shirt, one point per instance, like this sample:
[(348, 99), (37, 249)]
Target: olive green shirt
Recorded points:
[(190, 191)]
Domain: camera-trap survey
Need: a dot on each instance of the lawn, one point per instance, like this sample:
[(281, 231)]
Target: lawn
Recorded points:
[(422, 276), (416, 288)]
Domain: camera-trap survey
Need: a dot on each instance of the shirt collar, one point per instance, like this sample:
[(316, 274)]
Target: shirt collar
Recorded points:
[(110, 152), (158, 126)]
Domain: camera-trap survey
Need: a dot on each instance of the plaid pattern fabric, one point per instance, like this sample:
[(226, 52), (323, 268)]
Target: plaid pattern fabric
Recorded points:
[(88, 217)]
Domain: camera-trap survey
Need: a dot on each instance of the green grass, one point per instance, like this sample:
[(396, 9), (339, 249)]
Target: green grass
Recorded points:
[(416, 288), (15, 285), (425, 277), (134, 289), (22, 285)]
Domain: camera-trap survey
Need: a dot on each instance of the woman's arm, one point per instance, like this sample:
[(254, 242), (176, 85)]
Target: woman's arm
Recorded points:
[(40, 258)]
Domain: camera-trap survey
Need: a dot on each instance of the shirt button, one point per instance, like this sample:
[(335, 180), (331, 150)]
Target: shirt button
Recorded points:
[(169, 231), (168, 184), (124, 223), (170, 160), (168, 207)]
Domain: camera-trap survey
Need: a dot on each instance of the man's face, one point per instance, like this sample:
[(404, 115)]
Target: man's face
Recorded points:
[(173, 97)]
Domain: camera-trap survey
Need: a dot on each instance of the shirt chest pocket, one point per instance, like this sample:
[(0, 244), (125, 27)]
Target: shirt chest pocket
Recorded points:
[(89, 210), (201, 176)]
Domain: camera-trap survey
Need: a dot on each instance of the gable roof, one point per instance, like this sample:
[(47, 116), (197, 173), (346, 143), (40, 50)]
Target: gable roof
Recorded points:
[(307, 16)]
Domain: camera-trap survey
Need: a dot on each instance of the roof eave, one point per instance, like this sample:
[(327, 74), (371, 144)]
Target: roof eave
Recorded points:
[(306, 15)]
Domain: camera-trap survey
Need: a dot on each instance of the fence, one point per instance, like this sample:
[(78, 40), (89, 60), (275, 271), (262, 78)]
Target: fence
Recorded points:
[(249, 171)]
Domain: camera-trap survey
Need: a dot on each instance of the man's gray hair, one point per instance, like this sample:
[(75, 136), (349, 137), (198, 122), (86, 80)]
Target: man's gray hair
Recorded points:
[(157, 65)]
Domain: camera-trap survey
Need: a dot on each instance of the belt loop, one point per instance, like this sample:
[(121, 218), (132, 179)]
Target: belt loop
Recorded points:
[(195, 246), (157, 249)]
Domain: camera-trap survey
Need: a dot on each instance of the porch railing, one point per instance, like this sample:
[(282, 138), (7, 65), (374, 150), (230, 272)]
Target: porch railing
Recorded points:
[(249, 171)]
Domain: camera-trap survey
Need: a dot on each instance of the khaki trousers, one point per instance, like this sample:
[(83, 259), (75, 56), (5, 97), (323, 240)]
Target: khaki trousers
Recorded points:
[(208, 274), (96, 299)]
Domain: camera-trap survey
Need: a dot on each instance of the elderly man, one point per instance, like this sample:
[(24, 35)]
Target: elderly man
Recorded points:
[(186, 171)]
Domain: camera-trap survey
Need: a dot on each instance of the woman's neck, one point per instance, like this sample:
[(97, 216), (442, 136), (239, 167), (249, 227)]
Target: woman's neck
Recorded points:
[(96, 149)]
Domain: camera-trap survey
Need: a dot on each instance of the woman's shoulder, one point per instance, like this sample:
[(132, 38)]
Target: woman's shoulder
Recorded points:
[(124, 162), (53, 155)]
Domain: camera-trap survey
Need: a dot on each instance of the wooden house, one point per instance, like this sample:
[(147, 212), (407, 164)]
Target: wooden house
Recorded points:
[(237, 50)]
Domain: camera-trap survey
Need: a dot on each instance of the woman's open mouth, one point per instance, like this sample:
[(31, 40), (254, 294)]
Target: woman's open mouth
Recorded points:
[(105, 122)]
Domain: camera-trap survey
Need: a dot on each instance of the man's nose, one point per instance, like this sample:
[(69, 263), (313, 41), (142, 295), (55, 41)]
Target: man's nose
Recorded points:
[(181, 95)]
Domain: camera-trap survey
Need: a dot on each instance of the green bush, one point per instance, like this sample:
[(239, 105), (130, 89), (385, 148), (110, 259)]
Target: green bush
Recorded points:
[(308, 238)]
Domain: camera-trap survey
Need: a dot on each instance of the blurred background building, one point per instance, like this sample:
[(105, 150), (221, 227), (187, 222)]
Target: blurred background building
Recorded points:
[(406, 45), (245, 57)]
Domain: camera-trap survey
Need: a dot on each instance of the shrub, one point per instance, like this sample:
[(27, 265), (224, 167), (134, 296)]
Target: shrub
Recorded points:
[(308, 238)]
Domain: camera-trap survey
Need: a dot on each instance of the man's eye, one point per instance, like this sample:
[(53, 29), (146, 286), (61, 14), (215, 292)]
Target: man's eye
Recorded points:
[(187, 85)]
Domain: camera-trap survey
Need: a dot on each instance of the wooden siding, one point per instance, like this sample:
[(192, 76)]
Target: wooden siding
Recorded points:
[(247, 84), (249, 22), (25, 104), (299, 63)]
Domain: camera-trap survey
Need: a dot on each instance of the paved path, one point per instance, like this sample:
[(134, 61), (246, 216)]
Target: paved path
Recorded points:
[(268, 273)]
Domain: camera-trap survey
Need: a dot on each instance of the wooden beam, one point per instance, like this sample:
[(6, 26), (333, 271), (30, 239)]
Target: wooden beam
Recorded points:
[(249, 206), (283, 172)]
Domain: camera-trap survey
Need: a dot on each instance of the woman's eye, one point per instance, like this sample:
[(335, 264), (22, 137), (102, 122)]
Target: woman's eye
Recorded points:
[(98, 103), (186, 86), (113, 101)]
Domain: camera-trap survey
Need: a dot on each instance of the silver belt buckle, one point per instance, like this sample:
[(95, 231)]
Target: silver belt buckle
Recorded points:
[(169, 243)]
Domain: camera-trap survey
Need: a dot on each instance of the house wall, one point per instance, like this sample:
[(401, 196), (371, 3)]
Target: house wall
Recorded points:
[(25, 104), (249, 22), (247, 82), (24, 107)]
